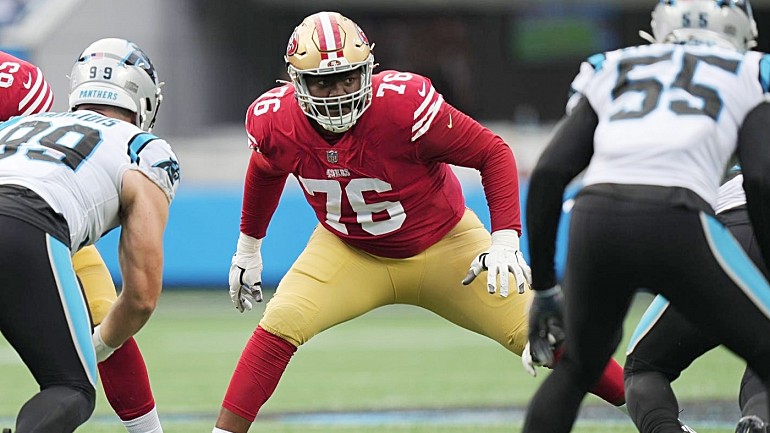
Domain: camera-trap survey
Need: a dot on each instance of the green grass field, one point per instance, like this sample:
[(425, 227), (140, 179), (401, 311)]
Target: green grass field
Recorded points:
[(393, 359)]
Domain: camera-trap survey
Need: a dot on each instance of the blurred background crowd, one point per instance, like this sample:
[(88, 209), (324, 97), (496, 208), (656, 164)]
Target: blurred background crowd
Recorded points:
[(498, 60), (508, 63)]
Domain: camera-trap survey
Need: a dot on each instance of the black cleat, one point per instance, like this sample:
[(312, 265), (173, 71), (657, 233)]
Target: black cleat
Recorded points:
[(750, 424), (7, 430)]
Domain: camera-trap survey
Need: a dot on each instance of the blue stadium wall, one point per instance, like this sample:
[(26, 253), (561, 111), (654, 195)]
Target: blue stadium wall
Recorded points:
[(203, 229)]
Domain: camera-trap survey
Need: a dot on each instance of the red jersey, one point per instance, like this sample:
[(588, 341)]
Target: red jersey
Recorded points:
[(385, 186), (23, 89)]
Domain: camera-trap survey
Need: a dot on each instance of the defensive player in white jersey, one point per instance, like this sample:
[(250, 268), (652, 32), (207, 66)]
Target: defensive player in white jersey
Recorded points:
[(372, 152), (66, 179), (126, 383), (653, 126), (665, 343)]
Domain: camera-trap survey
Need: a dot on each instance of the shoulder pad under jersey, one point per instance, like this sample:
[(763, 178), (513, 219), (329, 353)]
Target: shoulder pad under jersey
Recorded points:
[(264, 110), (408, 98), (158, 161)]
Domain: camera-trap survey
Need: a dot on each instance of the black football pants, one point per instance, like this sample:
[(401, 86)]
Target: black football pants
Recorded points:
[(43, 315), (665, 343), (618, 245)]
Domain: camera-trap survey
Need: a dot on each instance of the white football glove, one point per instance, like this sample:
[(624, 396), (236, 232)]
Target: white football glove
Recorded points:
[(502, 257), (103, 351), (529, 362), (246, 273)]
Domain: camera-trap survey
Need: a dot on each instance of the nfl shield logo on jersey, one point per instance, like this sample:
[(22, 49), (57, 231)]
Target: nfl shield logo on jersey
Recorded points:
[(332, 156)]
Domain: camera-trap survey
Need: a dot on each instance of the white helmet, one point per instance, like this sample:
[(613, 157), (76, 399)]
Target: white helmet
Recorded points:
[(328, 43), (728, 23), (117, 72)]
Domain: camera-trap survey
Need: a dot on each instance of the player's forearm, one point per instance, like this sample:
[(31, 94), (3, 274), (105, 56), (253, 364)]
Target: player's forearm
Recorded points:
[(261, 194), (142, 271), (500, 179), (133, 308), (469, 144), (140, 254), (126, 317), (567, 154), (543, 208)]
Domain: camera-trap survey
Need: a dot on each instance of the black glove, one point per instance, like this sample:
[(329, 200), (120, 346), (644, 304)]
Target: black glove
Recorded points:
[(546, 329)]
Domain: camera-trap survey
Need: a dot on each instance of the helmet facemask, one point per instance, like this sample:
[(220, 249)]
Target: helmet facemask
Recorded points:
[(327, 43), (335, 113)]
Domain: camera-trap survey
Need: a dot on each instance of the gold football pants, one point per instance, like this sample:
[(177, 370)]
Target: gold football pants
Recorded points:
[(96, 281), (331, 282)]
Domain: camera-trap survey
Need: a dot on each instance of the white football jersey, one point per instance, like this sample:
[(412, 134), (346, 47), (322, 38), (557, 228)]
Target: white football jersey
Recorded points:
[(669, 114), (75, 162), (731, 194)]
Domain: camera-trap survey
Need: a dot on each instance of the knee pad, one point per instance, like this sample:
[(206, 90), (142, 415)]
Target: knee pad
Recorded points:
[(289, 322), (57, 409)]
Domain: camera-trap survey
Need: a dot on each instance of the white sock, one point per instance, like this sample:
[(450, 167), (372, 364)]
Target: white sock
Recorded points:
[(147, 423), (219, 430)]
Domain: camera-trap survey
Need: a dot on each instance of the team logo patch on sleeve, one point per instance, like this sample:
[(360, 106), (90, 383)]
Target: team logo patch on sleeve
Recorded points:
[(172, 169)]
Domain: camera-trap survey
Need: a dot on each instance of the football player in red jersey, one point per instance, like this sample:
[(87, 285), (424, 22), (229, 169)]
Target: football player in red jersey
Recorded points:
[(24, 91), (372, 153)]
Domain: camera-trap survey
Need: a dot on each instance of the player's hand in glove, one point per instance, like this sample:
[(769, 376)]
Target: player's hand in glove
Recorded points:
[(246, 273), (502, 257), (546, 329), (529, 362)]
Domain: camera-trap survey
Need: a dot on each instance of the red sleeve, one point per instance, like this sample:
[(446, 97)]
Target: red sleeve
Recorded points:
[(455, 138), (261, 193), (264, 182), (23, 89)]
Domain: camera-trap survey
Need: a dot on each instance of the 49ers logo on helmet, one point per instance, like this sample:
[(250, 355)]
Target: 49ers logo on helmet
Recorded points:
[(361, 35), (291, 48)]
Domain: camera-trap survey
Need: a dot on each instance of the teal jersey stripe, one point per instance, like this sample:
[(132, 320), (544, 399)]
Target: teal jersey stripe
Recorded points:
[(649, 318), (597, 61), (764, 73), (137, 143), (10, 122), (74, 305), (737, 263)]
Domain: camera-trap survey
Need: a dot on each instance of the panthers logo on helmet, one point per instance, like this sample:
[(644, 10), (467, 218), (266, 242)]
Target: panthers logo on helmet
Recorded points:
[(291, 48), (138, 58)]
